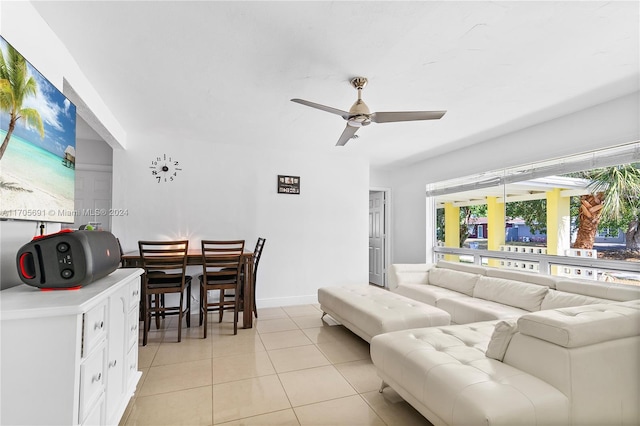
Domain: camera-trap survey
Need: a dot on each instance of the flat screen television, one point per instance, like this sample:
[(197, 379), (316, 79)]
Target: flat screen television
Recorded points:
[(37, 144)]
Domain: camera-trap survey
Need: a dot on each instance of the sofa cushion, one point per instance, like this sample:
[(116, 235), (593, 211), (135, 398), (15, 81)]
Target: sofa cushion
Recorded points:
[(409, 273), (429, 294), (462, 267), (602, 289), (500, 339), (368, 310), (561, 299), (462, 282), (583, 325), (464, 310), (526, 277), (512, 293)]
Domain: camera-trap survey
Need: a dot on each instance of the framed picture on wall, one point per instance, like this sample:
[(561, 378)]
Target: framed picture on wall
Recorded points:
[(288, 184)]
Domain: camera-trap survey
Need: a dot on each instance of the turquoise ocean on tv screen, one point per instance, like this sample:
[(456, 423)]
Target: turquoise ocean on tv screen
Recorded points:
[(38, 167)]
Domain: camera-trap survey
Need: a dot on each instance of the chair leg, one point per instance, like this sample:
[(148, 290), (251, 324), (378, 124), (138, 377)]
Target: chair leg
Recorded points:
[(145, 324), (255, 308), (204, 307), (236, 308), (189, 306), (180, 316), (221, 308), (201, 298), (158, 311)]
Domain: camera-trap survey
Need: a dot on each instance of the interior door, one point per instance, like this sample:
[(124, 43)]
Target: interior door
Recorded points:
[(377, 237)]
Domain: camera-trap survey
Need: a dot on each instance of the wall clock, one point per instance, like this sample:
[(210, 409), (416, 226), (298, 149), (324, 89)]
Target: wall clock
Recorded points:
[(165, 168)]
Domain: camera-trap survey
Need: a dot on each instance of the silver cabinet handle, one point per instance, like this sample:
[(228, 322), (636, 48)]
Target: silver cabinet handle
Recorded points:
[(98, 325), (113, 363), (96, 378)]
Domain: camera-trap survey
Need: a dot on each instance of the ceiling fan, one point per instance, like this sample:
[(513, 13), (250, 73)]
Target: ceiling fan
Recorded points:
[(359, 114)]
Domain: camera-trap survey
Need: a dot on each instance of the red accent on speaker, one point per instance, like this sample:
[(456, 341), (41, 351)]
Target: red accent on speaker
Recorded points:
[(56, 289)]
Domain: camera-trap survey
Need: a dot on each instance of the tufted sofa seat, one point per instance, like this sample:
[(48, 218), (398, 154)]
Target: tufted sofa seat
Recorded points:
[(368, 311), (577, 365)]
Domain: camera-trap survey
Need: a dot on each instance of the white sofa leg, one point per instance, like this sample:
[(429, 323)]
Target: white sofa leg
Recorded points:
[(382, 386)]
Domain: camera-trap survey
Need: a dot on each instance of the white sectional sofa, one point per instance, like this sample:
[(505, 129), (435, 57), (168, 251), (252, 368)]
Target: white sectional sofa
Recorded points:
[(524, 348), (472, 293)]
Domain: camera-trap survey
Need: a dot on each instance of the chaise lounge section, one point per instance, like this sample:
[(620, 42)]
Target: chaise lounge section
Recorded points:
[(567, 366)]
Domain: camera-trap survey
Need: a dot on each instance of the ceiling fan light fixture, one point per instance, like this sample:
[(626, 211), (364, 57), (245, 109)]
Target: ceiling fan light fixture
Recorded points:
[(359, 115)]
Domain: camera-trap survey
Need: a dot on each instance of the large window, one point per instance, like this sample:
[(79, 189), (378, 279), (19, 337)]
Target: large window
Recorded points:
[(584, 206)]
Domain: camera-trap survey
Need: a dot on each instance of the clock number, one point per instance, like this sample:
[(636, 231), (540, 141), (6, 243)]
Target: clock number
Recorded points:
[(158, 177)]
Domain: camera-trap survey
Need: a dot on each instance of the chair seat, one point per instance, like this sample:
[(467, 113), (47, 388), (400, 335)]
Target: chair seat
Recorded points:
[(167, 282)]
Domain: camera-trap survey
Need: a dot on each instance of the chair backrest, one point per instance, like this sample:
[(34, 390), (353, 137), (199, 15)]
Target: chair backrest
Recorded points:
[(221, 260), (257, 253), (165, 258)]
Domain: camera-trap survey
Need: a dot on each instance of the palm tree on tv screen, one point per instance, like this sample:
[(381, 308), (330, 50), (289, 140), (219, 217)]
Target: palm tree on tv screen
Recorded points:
[(15, 86)]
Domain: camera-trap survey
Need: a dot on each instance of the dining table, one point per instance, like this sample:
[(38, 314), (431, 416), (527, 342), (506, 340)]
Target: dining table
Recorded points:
[(194, 257)]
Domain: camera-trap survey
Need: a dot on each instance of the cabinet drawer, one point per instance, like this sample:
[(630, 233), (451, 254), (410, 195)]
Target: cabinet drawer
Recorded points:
[(132, 365), (92, 379), (96, 414), (94, 328), (134, 293), (132, 328)]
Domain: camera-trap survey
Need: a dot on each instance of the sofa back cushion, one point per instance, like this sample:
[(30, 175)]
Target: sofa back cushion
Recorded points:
[(409, 273), (462, 267), (525, 277), (561, 299), (601, 289), (513, 293), (462, 282), (583, 325)]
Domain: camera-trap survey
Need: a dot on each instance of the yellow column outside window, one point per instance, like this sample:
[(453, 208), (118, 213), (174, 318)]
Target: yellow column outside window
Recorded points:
[(451, 229), (495, 227)]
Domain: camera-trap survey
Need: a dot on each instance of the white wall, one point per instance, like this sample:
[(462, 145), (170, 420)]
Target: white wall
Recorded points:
[(314, 239), (605, 125)]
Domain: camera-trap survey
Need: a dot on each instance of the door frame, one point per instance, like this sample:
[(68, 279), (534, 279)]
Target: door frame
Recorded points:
[(387, 235)]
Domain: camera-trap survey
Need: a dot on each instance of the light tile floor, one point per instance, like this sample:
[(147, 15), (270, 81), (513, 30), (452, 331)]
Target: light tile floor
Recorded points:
[(291, 368)]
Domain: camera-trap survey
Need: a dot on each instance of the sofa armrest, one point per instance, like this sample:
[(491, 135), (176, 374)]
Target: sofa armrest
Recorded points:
[(409, 273), (583, 325)]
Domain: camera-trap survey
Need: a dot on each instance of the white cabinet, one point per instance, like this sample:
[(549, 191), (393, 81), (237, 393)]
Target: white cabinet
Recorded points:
[(69, 357)]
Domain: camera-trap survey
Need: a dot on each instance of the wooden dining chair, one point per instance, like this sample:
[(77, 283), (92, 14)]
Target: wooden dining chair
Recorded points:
[(165, 266), (221, 269), (257, 253)]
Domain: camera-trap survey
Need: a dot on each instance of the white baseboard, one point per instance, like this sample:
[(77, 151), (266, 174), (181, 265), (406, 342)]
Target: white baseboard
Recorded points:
[(287, 301)]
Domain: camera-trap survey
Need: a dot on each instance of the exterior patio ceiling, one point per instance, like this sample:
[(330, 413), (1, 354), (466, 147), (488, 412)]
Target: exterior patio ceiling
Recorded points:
[(534, 189)]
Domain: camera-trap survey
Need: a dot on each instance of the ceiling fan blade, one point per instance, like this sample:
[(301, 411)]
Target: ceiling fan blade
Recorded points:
[(343, 114), (389, 117), (347, 134)]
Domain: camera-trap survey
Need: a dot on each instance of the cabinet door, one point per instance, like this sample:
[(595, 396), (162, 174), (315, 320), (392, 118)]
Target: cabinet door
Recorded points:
[(117, 342)]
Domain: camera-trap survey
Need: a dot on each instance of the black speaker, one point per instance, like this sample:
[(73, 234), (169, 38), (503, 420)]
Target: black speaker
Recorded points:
[(68, 259)]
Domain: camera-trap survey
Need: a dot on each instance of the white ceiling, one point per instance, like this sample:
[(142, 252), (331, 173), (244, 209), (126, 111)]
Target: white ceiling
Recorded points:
[(225, 71)]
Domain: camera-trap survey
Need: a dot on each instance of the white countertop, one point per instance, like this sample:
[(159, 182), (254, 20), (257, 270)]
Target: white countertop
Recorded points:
[(24, 301)]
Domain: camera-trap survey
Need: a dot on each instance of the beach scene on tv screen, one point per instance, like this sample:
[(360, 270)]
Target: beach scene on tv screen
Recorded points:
[(38, 143)]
